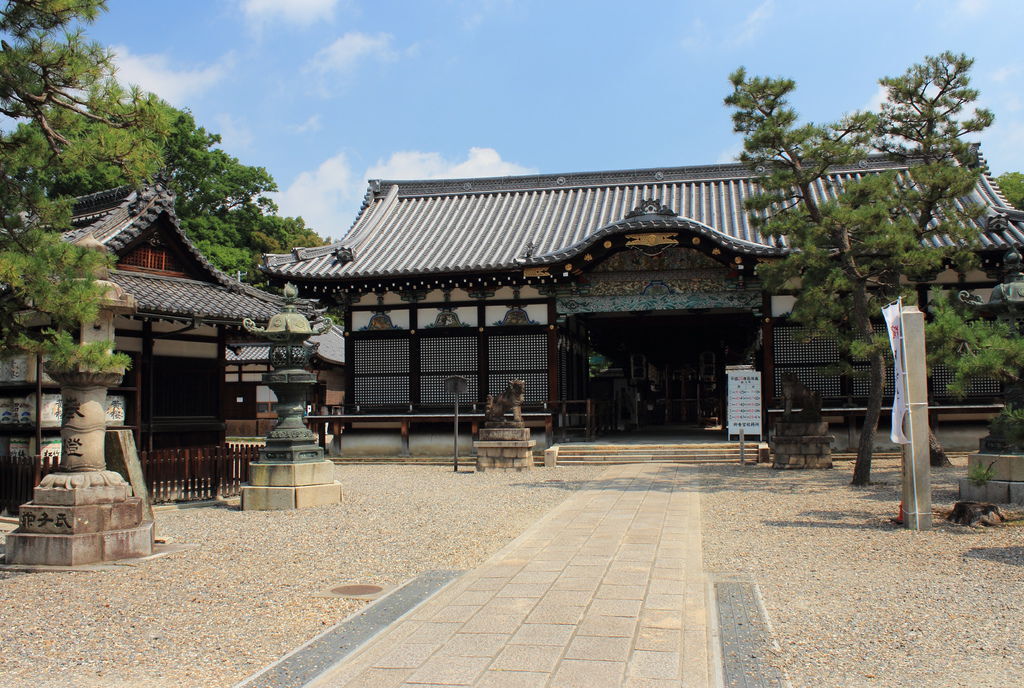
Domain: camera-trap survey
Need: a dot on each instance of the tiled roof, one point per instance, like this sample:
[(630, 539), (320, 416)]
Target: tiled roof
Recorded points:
[(330, 346), (117, 217), (506, 223), (163, 295)]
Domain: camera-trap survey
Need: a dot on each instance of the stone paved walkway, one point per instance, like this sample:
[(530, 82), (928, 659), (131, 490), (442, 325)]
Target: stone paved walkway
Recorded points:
[(607, 589)]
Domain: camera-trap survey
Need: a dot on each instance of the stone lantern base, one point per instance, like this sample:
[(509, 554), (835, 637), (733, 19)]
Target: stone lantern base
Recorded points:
[(290, 485), (80, 518)]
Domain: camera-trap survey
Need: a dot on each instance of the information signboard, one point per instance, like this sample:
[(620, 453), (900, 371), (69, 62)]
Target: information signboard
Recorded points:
[(744, 404)]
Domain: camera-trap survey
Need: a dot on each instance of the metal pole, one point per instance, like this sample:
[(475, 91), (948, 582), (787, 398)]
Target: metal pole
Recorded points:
[(456, 449)]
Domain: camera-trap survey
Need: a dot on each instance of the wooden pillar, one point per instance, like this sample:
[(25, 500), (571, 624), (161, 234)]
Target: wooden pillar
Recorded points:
[(222, 365), (553, 363), (145, 392), (767, 352), (350, 362), (414, 355), (482, 357)]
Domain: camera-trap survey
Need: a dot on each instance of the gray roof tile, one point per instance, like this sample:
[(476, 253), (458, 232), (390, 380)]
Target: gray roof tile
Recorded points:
[(504, 223)]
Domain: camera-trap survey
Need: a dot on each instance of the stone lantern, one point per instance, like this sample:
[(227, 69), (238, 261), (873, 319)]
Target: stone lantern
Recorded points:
[(998, 451), (83, 513), (291, 472)]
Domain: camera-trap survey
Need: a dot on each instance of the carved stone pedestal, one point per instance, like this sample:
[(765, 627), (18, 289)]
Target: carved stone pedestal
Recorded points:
[(80, 518), (801, 444), (1006, 485), (504, 445)]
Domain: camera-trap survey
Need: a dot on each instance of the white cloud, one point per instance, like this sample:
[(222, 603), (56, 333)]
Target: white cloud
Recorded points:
[(155, 73), (874, 103), (972, 8), (1005, 72), (480, 162), (299, 12), (310, 125), (234, 135), (325, 197), (328, 197), (754, 23), (730, 154), (346, 52), (697, 37)]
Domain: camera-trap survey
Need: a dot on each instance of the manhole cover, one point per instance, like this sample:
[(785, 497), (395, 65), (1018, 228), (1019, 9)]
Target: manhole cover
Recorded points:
[(357, 590)]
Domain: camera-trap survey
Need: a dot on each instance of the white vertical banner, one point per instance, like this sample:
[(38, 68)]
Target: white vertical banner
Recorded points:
[(894, 325)]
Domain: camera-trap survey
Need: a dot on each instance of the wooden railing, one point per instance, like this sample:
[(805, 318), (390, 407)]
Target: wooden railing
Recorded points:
[(19, 475), (196, 473), (172, 475)]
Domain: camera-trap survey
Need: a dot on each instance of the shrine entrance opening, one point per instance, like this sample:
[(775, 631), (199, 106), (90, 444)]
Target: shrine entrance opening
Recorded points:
[(666, 368)]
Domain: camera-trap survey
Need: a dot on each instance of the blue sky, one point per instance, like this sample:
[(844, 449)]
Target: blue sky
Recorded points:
[(328, 93)]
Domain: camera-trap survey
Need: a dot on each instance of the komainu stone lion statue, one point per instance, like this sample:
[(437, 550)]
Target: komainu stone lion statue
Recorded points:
[(509, 400), (797, 395)]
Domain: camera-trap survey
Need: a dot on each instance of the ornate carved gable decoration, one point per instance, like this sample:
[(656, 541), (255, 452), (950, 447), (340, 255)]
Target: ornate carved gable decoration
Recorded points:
[(651, 207), (674, 270), (651, 243), (675, 258)]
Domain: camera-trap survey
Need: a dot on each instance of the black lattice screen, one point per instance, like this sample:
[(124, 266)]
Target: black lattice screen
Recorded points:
[(828, 386), (518, 352), (452, 355), (380, 371), (941, 376), (794, 346), (519, 357), (381, 389), (536, 384), (380, 356), (861, 385), (432, 389)]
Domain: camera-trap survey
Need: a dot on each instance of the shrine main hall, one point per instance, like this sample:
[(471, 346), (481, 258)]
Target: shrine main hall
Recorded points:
[(618, 297)]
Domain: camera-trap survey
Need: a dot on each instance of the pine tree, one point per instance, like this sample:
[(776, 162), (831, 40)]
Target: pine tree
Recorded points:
[(52, 78), (850, 247)]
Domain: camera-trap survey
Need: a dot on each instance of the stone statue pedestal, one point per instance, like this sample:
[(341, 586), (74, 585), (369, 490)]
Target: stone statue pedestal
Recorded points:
[(801, 444), (504, 446), (70, 526), (1006, 485), (82, 514)]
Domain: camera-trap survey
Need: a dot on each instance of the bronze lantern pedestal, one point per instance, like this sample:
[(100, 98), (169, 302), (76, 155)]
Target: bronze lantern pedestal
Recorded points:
[(291, 472)]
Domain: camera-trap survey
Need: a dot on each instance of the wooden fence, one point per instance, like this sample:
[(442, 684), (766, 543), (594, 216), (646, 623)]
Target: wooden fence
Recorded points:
[(18, 475), (172, 475), (196, 473)]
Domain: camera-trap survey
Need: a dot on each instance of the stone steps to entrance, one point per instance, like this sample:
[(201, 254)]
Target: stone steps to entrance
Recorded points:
[(705, 452)]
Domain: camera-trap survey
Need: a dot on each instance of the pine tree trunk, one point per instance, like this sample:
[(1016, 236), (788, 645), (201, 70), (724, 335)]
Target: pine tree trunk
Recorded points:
[(865, 447), (876, 387)]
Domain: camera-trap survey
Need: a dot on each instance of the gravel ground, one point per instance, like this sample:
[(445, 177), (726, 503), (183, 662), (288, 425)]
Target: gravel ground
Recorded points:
[(857, 601), (245, 596)]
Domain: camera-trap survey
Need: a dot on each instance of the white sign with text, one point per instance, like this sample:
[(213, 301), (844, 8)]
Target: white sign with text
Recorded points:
[(744, 407)]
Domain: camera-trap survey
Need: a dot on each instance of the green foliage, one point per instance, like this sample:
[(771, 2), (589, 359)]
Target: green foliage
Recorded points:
[(979, 474), (1009, 425), (852, 243), (1012, 185), (52, 79), (66, 354), (972, 348)]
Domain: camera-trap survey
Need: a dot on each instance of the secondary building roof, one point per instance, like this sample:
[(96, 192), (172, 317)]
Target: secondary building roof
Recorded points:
[(507, 223), (126, 219)]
